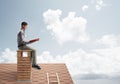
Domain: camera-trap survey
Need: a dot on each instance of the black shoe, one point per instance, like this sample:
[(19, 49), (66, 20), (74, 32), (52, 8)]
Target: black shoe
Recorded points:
[(36, 66)]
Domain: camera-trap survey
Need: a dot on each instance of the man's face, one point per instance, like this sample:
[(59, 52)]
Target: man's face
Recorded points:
[(24, 27)]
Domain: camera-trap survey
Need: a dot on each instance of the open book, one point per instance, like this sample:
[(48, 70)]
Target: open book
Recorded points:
[(34, 40)]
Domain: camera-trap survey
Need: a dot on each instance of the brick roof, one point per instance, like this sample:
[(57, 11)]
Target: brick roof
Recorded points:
[(8, 73)]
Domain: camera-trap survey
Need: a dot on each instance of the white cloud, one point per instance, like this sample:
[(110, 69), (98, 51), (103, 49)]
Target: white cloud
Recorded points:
[(99, 4), (8, 56), (84, 7), (70, 28), (96, 4), (98, 7), (110, 40), (97, 61)]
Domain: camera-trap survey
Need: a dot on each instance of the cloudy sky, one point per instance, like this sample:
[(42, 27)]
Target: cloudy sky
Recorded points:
[(84, 34)]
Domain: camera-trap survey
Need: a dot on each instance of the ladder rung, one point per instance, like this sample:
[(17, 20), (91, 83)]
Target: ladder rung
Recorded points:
[(53, 77), (54, 81)]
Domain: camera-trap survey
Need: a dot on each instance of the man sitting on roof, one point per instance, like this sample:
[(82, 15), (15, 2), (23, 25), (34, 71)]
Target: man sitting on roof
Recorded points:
[(22, 44)]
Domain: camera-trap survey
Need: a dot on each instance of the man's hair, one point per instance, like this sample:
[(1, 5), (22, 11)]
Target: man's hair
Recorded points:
[(24, 23)]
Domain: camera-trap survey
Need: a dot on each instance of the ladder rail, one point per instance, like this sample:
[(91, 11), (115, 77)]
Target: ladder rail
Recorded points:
[(58, 78), (48, 78)]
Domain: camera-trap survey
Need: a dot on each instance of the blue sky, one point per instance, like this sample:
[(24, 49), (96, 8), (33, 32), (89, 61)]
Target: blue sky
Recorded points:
[(81, 33), (14, 12)]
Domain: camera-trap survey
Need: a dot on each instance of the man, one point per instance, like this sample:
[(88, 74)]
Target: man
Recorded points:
[(22, 44)]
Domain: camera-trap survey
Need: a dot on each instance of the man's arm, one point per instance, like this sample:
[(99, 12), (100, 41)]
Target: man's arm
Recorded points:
[(22, 39)]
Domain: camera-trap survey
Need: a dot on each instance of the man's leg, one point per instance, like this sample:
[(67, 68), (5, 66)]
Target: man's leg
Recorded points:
[(33, 57)]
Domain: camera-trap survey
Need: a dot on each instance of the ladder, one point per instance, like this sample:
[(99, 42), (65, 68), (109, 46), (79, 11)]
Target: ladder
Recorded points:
[(53, 78)]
